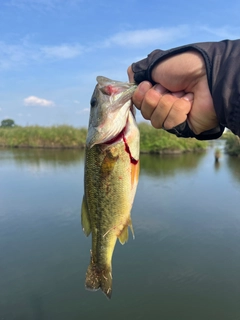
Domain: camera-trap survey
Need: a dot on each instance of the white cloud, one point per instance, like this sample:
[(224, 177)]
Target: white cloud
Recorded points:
[(64, 51), (23, 53), (11, 54), (145, 37), (35, 101), (42, 5), (224, 32)]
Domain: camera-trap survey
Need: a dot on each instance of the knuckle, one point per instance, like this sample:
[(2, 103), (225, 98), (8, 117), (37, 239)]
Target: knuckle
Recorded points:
[(167, 100)]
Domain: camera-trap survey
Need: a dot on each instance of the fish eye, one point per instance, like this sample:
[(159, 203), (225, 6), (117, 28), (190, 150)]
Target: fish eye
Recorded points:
[(93, 102)]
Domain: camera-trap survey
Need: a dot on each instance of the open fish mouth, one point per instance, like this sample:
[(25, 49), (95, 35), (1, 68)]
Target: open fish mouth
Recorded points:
[(110, 113)]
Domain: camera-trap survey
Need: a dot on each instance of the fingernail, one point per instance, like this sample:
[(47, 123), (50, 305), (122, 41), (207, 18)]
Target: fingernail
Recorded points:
[(159, 88), (188, 96)]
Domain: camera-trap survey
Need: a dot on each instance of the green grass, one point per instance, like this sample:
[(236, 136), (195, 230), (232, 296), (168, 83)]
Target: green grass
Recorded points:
[(43, 137), (152, 140), (160, 141)]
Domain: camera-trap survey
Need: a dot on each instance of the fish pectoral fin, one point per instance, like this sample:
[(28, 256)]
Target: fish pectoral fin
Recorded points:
[(86, 224), (123, 237), (108, 164)]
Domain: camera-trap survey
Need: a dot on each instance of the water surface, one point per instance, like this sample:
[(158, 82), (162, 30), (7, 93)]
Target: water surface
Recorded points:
[(183, 264)]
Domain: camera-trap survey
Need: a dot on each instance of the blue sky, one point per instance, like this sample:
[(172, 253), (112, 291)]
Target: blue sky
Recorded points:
[(52, 50)]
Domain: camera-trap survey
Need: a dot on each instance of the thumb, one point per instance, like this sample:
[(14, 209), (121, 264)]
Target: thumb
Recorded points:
[(188, 96), (130, 74)]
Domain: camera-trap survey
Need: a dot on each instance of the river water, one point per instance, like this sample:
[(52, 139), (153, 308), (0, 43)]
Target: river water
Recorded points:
[(183, 264)]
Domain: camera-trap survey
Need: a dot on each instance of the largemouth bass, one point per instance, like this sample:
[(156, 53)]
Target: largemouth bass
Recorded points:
[(111, 176)]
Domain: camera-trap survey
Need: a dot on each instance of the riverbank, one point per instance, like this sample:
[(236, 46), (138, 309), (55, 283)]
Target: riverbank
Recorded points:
[(162, 142), (152, 140), (43, 137)]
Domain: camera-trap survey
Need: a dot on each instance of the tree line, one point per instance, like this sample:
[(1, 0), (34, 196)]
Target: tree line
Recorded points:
[(7, 123)]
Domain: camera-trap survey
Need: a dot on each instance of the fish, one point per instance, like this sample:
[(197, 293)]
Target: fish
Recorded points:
[(110, 176)]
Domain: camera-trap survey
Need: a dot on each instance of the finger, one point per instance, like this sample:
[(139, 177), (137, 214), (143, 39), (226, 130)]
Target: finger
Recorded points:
[(179, 111), (130, 74), (151, 100), (162, 110), (179, 94), (140, 92)]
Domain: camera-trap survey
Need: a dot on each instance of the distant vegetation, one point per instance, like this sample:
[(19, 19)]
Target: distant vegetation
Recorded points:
[(7, 123), (152, 140), (43, 137), (160, 141), (64, 136), (232, 146)]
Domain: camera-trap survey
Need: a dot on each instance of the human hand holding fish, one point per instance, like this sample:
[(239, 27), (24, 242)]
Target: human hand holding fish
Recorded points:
[(178, 92), (111, 176)]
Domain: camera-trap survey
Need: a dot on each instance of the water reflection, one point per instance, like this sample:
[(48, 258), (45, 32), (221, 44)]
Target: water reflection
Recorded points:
[(217, 165), (163, 165), (53, 157), (234, 166)]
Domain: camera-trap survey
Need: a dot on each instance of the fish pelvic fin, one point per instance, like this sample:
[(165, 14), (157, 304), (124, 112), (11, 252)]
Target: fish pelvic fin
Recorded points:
[(86, 225), (97, 277), (123, 236)]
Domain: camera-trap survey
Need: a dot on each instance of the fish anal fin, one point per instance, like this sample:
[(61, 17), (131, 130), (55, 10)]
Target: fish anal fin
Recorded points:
[(86, 224), (131, 227)]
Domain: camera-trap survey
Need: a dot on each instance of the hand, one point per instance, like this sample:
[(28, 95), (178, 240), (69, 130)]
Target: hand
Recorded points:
[(181, 93)]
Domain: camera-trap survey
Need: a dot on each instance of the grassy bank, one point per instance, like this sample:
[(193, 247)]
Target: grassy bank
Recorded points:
[(43, 137), (152, 140), (160, 141)]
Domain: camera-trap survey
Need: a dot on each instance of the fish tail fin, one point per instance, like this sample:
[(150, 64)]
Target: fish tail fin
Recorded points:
[(99, 278)]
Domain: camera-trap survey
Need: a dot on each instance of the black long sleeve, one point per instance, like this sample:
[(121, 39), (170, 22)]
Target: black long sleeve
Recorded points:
[(222, 60)]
